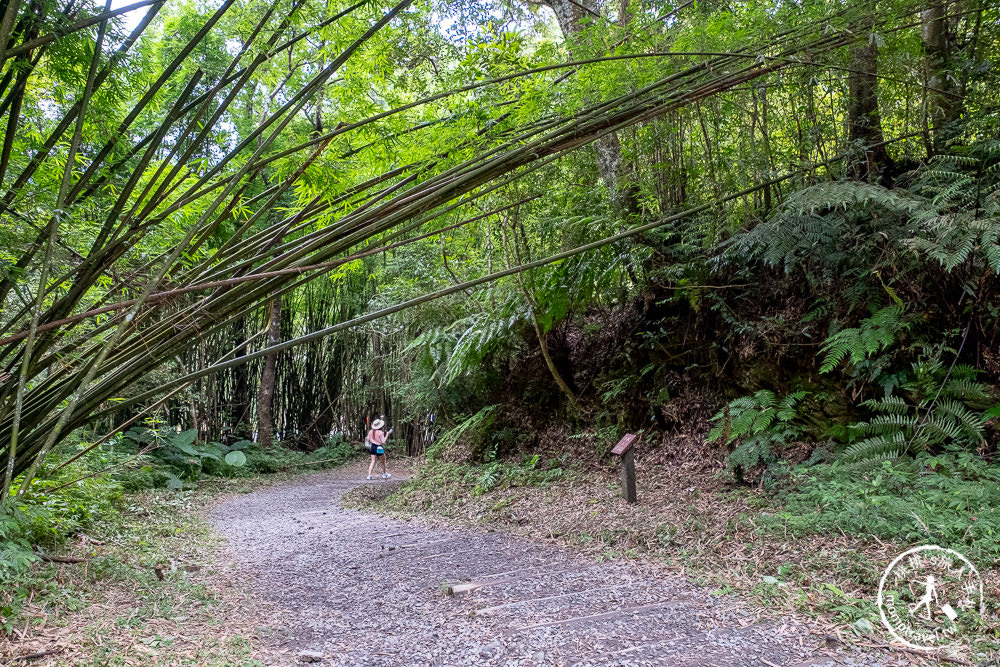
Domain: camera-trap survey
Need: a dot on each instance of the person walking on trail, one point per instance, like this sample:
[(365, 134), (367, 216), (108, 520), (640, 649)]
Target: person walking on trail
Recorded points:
[(376, 447)]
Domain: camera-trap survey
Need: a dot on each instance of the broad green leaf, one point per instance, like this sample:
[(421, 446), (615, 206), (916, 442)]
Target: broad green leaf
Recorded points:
[(236, 459)]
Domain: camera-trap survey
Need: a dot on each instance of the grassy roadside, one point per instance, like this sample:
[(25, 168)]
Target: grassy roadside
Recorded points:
[(148, 592), (153, 586), (731, 539)]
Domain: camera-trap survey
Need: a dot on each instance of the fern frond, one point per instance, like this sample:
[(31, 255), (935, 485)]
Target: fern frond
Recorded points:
[(742, 423), (889, 423), (469, 425), (743, 403), (888, 405), (758, 415), (847, 194), (992, 252), (765, 398), (752, 452), (966, 421), (965, 388), (873, 335), (489, 478), (873, 462), (875, 446), (763, 421)]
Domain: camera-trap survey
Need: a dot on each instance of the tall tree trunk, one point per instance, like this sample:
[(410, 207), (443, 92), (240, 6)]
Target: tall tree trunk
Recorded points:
[(265, 426), (766, 144), (240, 400), (533, 308), (864, 122), (942, 108), (550, 364), (570, 14)]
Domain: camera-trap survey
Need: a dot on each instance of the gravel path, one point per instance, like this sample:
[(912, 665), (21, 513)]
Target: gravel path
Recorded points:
[(359, 589)]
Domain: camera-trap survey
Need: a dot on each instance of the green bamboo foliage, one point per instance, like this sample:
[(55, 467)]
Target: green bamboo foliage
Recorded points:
[(169, 228)]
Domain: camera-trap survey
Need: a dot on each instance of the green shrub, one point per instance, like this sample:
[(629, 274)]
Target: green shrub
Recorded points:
[(871, 336), (149, 475), (951, 499), (186, 455), (16, 554), (338, 452), (760, 424), (489, 478), (64, 502), (279, 458), (941, 411), (71, 499), (473, 429), (529, 472)]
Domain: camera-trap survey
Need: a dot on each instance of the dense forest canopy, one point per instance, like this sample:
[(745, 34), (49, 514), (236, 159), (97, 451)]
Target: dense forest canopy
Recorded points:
[(269, 221)]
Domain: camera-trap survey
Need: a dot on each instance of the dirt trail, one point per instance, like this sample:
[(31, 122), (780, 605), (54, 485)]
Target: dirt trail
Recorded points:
[(361, 589)]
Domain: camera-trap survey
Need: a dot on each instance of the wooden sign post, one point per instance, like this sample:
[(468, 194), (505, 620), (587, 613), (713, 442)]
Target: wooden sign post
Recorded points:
[(627, 454)]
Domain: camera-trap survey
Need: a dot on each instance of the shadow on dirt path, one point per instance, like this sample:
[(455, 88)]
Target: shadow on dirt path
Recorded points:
[(356, 588)]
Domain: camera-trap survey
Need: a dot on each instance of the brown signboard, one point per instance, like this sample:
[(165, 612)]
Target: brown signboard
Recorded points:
[(624, 444)]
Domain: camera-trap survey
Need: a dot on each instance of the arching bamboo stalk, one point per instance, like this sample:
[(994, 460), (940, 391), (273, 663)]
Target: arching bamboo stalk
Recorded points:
[(284, 255)]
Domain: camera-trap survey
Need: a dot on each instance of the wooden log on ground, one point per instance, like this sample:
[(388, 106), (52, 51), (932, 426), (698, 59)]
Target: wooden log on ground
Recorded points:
[(70, 560)]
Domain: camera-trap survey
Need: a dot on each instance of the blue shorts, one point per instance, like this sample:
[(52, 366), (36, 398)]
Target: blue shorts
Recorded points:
[(374, 450)]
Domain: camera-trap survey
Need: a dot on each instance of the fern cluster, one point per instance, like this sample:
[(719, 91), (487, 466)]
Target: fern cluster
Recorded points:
[(871, 336), (850, 230), (951, 239), (489, 478), (16, 554), (465, 345), (963, 221), (928, 499), (757, 423), (478, 422), (941, 413), (828, 230), (483, 334), (531, 471)]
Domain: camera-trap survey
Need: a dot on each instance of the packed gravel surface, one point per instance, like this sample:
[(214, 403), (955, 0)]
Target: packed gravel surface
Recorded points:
[(343, 587)]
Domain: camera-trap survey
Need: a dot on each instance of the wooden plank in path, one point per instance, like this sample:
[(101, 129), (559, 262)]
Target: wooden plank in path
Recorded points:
[(490, 610), (417, 545), (609, 614), (476, 585), (443, 554)]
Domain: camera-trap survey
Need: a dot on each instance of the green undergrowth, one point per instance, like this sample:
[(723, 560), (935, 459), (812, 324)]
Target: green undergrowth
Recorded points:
[(950, 499), (281, 459), (148, 570), (68, 500), (119, 513), (453, 483)]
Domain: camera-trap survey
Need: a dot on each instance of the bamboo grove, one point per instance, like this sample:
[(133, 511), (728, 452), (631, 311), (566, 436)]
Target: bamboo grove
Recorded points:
[(195, 206)]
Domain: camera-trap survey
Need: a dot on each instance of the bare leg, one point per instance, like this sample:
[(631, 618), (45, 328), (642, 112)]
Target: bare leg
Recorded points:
[(371, 466), (382, 458)]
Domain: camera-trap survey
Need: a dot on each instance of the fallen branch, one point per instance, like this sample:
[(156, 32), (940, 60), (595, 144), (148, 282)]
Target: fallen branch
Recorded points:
[(926, 654), (37, 655), (70, 560)]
